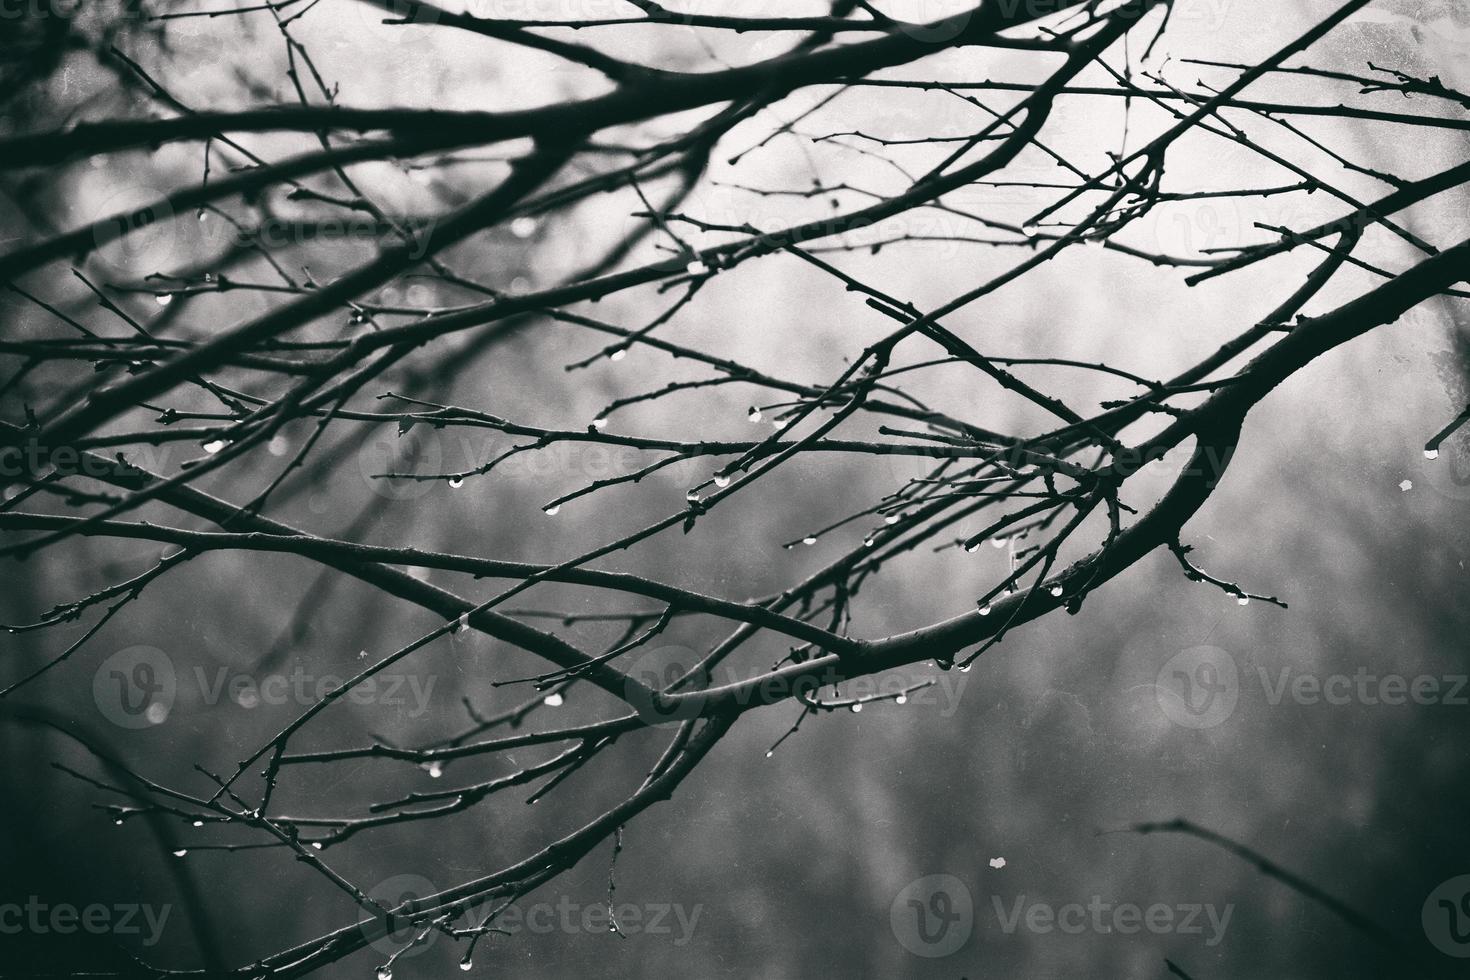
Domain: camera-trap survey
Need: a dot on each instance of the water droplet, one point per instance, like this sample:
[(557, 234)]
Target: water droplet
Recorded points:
[(997, 542), (550, 510), (278, 446), (1244, 600), (769, 753), (696, 268), (1431, 454), (984, 608), (891, 519), (553, 700), (599, 424), (721, 480), (202, 215), (466, 964), (869, 541), (972, 547), (214, 445), (1055, 590), (434, 769), (316, 845), (755, 414), (157, 713), (965, 668), (692, 496), (808, 540), (901, 699), (455, 482), (118, 822), (857, 708), (164, 298), (997, 863), (523, 227), (197, 823), (618, 354), (385, 973), (181, 852), (1406, 486), (247, 698), (462, 623)]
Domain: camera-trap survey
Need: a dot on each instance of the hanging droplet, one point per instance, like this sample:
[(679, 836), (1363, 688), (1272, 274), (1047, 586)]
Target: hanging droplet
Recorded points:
[(118, 822), (202, 215), (462, 623), (466, 964), (857, 708), (692, 497), (455, 482), (550, 510), (721, 480), (1431, 454), (891, 519), (997, 542), (197, 823), (983, 608), (523, 227), (965, 668), (214, 445), (770, 752), (809, 540), (164, 298), (1244, 600), (599, 424), (901, 699), (181, 852), (434, 769), (696, 268), (869, 541), (755, 414), (618, 354), (385, 973), (971, 547), (553, 700), (1055, 590)]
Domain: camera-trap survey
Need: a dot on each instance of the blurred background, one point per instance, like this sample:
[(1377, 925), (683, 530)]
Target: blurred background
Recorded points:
[(792, 864)]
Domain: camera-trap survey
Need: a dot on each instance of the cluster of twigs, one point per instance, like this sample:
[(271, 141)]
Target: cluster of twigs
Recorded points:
[(127, 368)]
